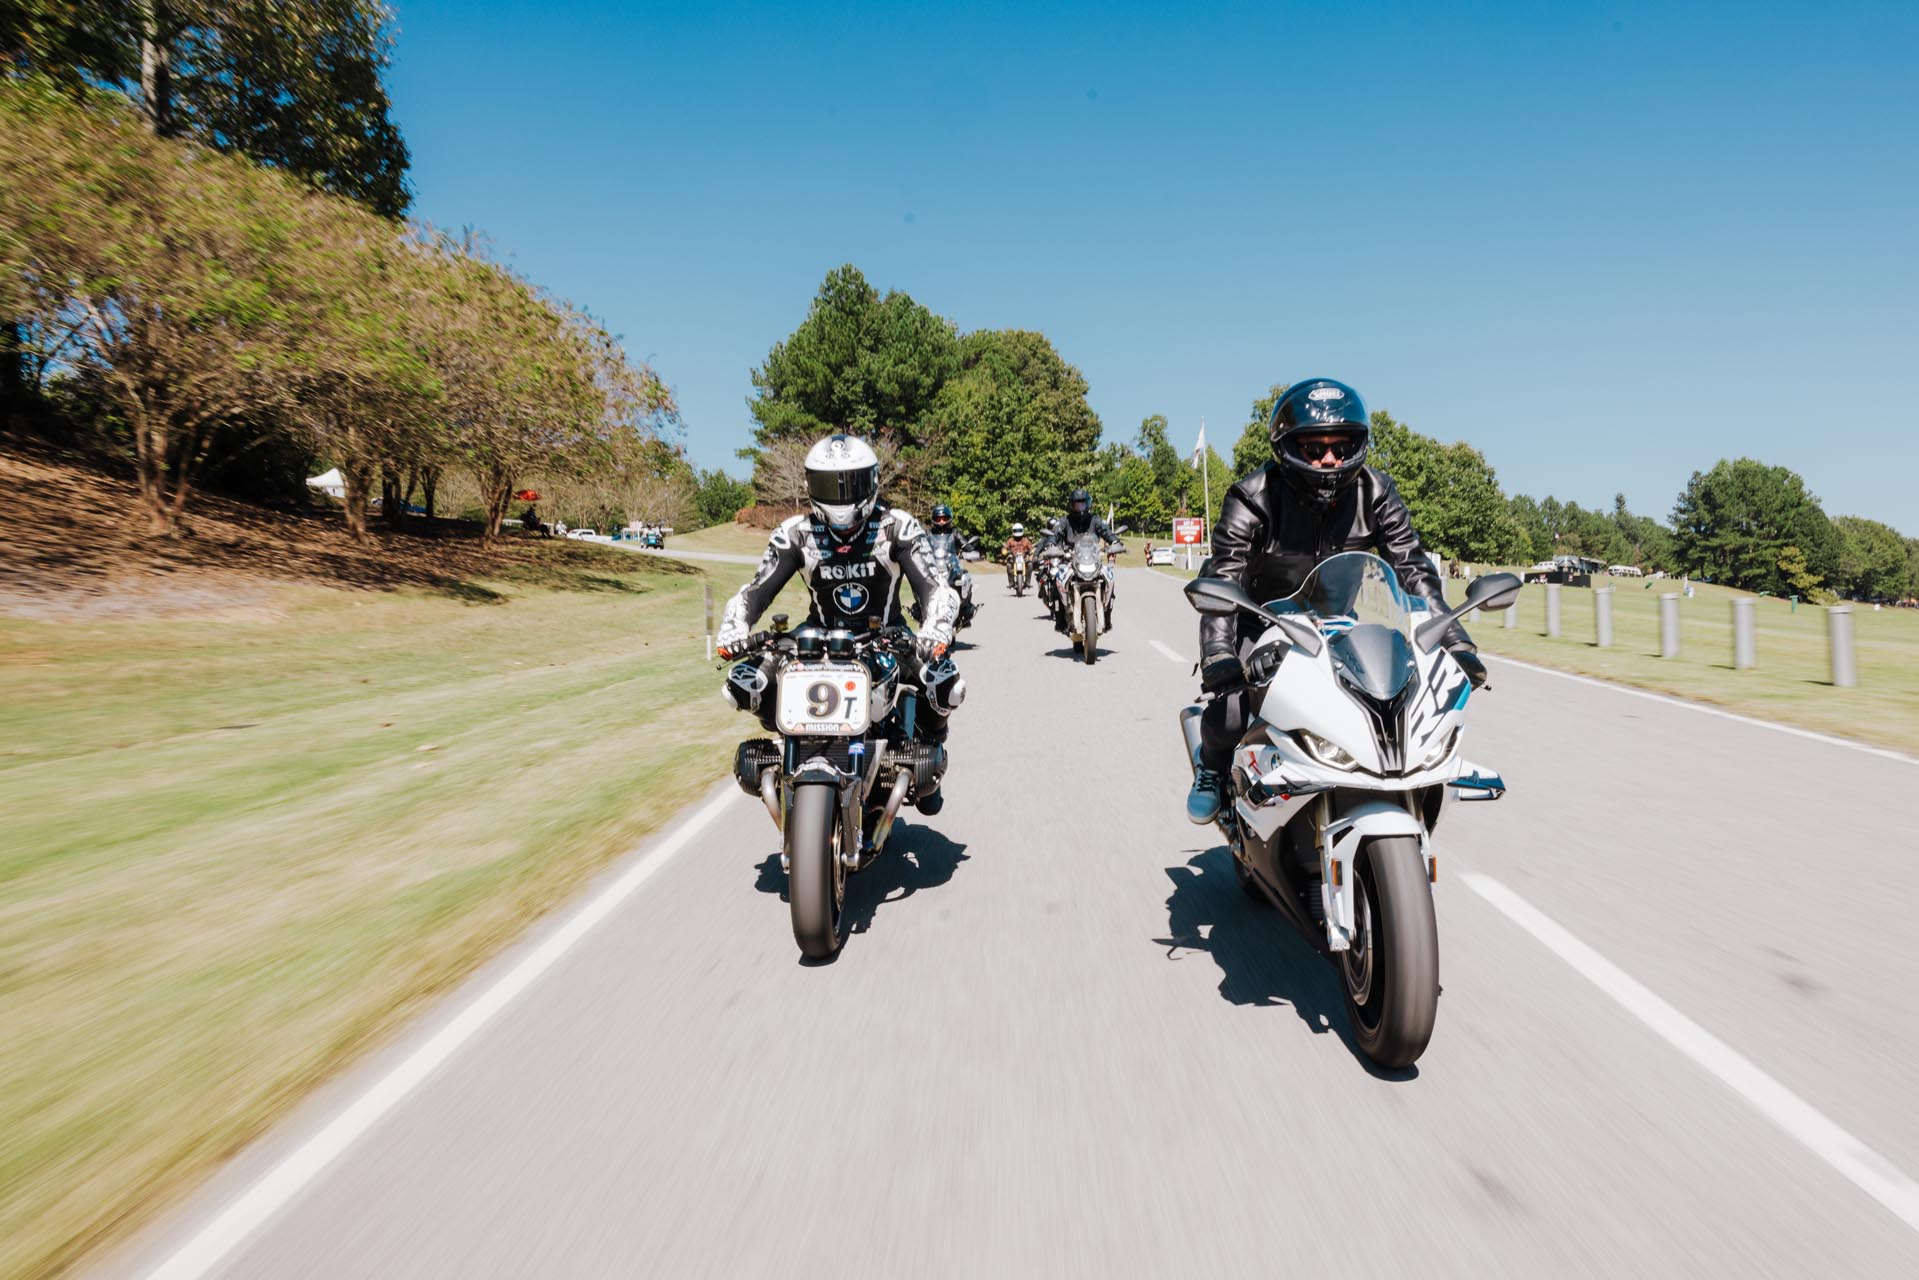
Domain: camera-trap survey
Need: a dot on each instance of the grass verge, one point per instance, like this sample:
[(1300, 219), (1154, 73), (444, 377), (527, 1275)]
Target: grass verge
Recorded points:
[(240, 850)]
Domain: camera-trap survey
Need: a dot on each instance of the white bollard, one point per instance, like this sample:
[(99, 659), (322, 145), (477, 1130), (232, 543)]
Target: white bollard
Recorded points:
[(1602, 617), (1510, 618), (1669, 624), (1552, 609), (1743, 644), (1845, 663)]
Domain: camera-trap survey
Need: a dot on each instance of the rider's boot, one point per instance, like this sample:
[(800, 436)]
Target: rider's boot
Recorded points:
[(1204, 800)]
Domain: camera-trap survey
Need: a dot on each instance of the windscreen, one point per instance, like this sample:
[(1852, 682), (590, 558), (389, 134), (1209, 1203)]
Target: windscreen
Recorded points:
[(1359, 605)]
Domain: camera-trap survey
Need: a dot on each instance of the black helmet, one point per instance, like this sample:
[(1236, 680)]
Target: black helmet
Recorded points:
[(1317, 407), (1079, 503), (942, 518)]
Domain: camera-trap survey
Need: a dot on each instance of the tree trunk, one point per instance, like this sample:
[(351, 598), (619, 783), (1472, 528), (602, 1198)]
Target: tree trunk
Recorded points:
[(429, 483), (156, 70), (354, 483), (392, 505), (496, 489)]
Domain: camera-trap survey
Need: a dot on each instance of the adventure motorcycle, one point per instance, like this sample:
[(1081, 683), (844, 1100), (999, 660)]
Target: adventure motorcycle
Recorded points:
[(947, 548), (847, 758), (1019, 577), (1342, 774), (1050, 554), (1086, 594)]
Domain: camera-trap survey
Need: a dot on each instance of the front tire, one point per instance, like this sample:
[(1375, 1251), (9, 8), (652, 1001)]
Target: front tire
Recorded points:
[(1089, 626), (816, 883), (1391, 973)]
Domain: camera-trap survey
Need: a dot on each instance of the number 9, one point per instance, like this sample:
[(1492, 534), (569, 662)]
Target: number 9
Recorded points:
[(822, 700)]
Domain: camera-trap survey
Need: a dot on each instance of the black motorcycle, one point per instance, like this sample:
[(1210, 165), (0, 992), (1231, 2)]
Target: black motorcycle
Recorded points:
[(1086, 594), (846, 760)]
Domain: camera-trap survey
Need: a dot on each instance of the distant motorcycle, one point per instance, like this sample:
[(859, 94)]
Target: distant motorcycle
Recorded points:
[(845, 762), (1343, 773), (1020, 576), (1085, 581), (947, 548)]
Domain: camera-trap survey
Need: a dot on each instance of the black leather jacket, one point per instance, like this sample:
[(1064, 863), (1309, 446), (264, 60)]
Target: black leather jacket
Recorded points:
[(1268, 539)]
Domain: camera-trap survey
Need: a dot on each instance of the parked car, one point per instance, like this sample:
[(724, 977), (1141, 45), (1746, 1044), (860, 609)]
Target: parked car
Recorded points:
[(584, 535), (1160, 555), (1626, 571)]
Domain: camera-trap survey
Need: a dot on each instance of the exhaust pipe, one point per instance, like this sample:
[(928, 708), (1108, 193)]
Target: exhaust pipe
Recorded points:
[(894, 798), (1189, 730), (770, 795)]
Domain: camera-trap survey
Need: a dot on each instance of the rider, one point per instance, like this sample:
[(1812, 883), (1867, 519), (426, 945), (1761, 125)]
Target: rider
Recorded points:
[(1017, 545), (1070, 528), (853, 550), (947, 543), (1317, 497)]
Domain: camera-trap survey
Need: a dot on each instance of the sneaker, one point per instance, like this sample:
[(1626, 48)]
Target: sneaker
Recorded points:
[(930, 805), (1203, 801)]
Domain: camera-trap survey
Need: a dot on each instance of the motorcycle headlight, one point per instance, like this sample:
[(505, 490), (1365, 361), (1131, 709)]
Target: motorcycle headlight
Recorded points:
[(1441, 749), (1327, 753)]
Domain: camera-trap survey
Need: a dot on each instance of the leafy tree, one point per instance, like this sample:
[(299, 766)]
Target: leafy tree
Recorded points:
[(859, 362), (1732, 524), (719, 497), (1254, 448), (1873, 560), (1451, 492), (1013, 430)]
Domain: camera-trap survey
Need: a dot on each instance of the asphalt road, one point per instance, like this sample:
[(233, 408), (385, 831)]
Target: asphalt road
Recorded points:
[(1059, 1040)]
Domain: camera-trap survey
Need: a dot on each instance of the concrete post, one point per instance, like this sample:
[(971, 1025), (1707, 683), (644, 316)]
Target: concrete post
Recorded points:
[(1743, 646), (1510, 618), (1602, 616), (1669, 624), (1845, 663), (1552, 609), (709, 620)]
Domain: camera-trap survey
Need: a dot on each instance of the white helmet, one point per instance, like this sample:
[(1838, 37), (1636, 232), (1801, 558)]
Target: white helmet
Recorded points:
[(843, 482), (1019, 530)]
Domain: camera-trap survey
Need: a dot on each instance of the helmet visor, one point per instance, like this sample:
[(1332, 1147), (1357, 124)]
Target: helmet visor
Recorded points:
[(1325, 449), (841, 488)]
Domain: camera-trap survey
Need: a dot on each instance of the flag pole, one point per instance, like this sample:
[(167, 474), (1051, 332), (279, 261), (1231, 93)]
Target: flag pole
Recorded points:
[(1206, 486)]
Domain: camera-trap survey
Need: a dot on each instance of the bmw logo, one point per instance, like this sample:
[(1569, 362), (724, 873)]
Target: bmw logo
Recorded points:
[(850, 597)]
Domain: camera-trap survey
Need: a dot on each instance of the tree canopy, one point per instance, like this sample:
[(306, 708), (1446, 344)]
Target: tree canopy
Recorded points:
[(1735, 524)]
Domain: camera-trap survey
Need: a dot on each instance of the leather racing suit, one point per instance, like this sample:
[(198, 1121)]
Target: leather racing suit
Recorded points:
[(848, 585)]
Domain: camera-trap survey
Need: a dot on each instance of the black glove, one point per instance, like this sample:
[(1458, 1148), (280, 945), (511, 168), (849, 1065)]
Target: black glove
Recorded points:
[(1468, 658), (1263, 663), (1219, 673)]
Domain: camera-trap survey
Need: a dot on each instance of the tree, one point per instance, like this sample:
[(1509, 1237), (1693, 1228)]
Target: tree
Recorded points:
[(186, 278), (1013, 430), (1872, 562), (1451, 492), (1732, 524), (719, 497), (859, 362), (1254, 448)]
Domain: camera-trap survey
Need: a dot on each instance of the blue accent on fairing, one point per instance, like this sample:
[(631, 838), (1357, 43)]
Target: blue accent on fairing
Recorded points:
[(1465, 692)]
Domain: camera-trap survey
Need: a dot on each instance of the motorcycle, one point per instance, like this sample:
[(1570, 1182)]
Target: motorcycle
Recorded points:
[(1086, 594), (1342, 775), (947, 548), (1050, 556), (846, 760), (1018, 574)]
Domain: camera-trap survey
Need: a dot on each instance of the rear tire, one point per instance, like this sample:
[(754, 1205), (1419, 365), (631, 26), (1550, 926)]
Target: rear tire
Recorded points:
[(1089, 626), (816, 883), (1391, 974)]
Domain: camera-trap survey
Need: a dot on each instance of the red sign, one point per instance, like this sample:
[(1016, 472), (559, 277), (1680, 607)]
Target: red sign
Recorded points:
[(1186, 531)]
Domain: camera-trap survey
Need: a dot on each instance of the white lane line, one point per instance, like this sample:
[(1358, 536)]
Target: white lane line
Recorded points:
[(1703, 709), (1172, 653), (1866, 1168), (274, 1189)]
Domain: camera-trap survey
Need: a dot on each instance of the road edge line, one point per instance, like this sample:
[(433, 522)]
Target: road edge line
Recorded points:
[(1865, 1168), (272, 1191)]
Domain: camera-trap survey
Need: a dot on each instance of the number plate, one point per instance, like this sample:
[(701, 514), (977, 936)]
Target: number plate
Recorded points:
[(823, 700)]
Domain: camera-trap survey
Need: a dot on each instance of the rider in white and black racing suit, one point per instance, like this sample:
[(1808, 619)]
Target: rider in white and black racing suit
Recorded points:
[(853, 550)]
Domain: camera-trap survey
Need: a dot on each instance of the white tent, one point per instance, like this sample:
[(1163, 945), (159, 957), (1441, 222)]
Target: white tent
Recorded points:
[(332, 484)]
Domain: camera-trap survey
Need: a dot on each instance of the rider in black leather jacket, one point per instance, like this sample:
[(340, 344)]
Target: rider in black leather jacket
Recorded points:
[(1315, 499), (1063, 532)]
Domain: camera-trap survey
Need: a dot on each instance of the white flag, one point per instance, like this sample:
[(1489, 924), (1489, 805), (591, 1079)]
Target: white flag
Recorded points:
[(1199, 447)]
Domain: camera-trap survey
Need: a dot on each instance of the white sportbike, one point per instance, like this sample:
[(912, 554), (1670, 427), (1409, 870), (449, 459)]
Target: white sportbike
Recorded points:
[(1348, 759)]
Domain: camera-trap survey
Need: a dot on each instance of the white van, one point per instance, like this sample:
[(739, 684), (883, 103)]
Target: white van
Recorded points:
[(1626, 571)]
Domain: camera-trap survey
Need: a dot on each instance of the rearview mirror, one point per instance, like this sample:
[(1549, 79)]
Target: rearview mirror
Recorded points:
[(1218, 597), (1495, 591)]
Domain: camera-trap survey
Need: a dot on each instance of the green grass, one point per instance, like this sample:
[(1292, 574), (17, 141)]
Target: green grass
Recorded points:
[(240, 852), (1789, 683), (734, 539)]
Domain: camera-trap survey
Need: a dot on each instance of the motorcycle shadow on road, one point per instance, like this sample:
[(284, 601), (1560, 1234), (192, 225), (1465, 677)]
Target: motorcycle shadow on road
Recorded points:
[(916, 857), (1072, 654), (1262, 961)]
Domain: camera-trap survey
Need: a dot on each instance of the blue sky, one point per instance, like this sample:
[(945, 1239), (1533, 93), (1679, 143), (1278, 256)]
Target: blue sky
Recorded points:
[(1606, 243)]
